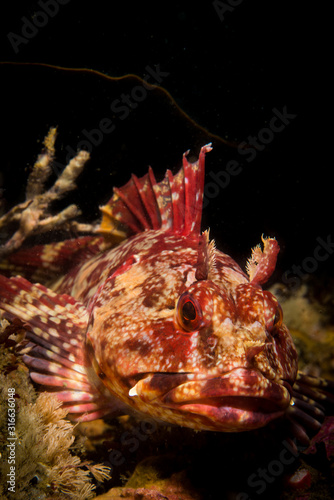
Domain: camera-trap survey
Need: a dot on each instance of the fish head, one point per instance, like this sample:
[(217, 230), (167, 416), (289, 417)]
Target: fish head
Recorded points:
[(207, 352)]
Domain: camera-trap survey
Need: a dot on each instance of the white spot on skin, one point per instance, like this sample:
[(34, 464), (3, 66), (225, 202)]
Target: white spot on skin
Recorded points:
[(190, 278), (53, 332), (55, 319), (56, 349), (256, 325)]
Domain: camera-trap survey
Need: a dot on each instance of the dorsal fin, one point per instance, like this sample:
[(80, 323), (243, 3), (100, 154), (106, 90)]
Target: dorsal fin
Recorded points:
[(174, 204)]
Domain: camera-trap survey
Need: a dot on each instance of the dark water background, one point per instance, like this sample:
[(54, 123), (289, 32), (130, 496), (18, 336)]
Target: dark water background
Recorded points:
[(228, 68)]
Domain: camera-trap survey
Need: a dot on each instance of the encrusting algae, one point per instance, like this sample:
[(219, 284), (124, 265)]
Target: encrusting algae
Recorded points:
[(40, 461)]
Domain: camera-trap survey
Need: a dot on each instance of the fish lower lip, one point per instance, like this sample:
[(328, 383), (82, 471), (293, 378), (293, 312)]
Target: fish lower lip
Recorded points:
[(225, 406), (240, 388), (244, 403)]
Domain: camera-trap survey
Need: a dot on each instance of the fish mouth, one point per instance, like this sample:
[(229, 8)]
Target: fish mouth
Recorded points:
[(241, 399)]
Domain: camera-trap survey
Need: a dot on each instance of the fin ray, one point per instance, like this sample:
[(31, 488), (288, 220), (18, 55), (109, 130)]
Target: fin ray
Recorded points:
[(55, 354), (311, 397), (174, 204)]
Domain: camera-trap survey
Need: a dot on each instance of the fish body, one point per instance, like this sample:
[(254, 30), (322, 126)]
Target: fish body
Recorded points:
[(165, 325)]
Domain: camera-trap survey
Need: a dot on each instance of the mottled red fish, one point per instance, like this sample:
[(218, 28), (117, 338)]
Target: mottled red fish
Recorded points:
[(164, 324)]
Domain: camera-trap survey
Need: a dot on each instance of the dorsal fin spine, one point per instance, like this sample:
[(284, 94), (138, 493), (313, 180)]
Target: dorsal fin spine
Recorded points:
[(194, 188), (174, 204), (177, 195), (150, 206), (134, 211)]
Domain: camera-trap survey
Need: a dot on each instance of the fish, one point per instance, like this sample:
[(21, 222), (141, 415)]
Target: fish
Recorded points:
[(162, 325)]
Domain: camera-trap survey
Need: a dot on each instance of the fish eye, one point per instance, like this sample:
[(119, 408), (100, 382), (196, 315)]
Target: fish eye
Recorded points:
[(188, 312)]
